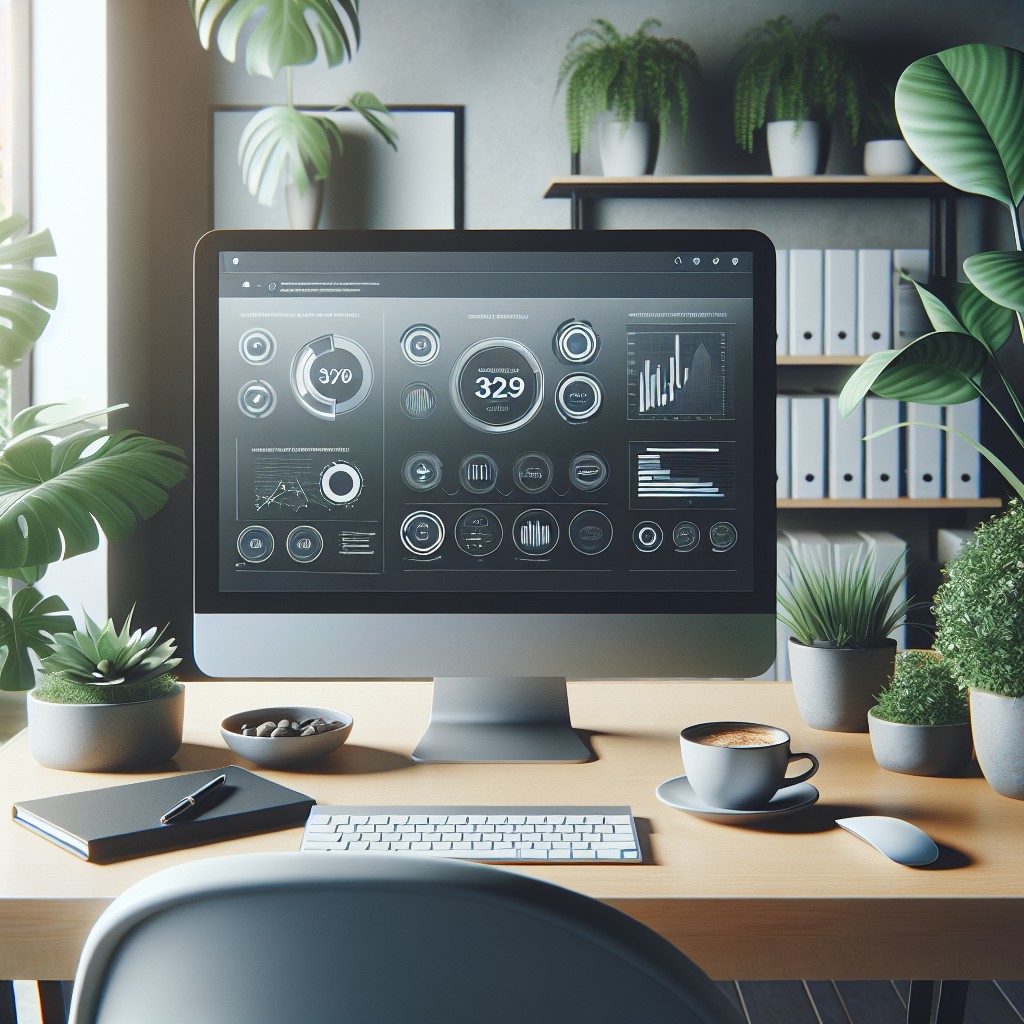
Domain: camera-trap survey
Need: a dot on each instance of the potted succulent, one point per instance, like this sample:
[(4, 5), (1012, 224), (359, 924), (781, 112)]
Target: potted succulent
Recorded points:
[(281, 139), (885, 150), (840, 653), (801, 76), (635, 80), (107, 700), (961, 112), (921, 723), (64, 481)]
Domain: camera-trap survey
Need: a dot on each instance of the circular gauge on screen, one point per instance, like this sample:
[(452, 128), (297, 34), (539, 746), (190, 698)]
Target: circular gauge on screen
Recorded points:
[(331, 376), (497, 385)]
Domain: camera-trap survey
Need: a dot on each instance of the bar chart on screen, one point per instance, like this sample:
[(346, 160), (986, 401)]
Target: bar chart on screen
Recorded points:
[(678, 374)]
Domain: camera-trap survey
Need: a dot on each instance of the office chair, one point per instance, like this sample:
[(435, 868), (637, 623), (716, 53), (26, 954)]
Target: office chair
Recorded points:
[(367, 938)]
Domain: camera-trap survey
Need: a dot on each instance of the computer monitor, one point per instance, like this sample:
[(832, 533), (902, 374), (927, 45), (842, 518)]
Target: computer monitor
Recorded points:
[(496, 458)]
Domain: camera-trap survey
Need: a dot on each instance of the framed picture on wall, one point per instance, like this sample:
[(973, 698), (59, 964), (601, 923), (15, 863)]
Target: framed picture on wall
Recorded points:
[(370, 185)]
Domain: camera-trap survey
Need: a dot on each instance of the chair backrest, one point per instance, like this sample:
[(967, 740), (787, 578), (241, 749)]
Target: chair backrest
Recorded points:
[(277, 938)]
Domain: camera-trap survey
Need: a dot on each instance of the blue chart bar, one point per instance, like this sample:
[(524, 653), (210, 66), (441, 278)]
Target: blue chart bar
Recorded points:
[(678, 374), (690, 475)]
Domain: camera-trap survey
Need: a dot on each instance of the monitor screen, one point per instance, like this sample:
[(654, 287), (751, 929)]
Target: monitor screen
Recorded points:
[(484, 454)]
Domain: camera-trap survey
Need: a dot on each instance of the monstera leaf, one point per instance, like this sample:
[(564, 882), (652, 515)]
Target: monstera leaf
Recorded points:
[(56, 496), (25, 293), (283, 37), (960, 111), (29, 626)]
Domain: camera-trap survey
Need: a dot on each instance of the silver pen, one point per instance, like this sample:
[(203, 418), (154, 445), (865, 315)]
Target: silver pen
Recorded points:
[(192, 800)]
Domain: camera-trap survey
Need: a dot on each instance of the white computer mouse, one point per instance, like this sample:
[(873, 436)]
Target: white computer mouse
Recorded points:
[(899, 840)]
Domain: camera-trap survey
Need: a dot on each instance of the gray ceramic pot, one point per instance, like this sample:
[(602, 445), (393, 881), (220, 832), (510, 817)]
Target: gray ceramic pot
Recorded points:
[(998, 724), (920, 749), (836, 687), (105, 737)]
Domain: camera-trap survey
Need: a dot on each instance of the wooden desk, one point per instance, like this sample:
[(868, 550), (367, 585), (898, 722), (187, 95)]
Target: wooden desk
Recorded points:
[(798, 898)]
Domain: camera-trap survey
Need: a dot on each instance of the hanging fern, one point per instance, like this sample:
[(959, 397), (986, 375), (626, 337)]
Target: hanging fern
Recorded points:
[(798, 73), (639, 77)]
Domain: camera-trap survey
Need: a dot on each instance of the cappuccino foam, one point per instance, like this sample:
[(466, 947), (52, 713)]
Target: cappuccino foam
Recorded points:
[(747, 736)]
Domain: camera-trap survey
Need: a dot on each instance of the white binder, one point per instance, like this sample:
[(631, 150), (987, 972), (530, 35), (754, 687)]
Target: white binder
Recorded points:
[(807, 430), (840, 290), (874, 300), (924, 451), (909, 320), (845, 452), (782, 302), (963, 463), (806, 291), (948, 542), (886, 548), (782, 447), (846, 547), (881, 454)]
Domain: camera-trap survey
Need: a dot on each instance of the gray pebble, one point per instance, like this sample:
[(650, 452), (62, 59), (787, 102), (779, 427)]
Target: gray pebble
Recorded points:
[(265, 729), (281, 732), (308, 731)]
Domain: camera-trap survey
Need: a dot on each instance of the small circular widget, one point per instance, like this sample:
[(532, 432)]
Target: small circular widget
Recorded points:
[(722, 536), (422, 533), (331, 376), (422, 471), (257, 346), (257, 399), (590, 532), (478, 532), (576, 341), (418, 400), (420, 344), (535, 532), (341, 483), (578, 397), (478, 473), (647, 536), (532, 472), (497, 385), (685, 536), (255, 544), (304, 544), (588, 471)]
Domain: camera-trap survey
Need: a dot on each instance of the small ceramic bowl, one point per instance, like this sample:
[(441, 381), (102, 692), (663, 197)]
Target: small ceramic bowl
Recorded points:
[(284, 751)]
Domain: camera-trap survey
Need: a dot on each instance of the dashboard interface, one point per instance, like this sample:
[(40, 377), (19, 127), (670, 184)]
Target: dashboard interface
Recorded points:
[(395, 426)]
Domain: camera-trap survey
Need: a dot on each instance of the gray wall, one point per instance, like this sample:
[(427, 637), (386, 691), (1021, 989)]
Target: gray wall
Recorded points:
[(497, 57)]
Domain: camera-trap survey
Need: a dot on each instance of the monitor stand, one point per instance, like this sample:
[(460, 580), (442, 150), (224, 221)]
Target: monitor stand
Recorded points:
[(500, 719)]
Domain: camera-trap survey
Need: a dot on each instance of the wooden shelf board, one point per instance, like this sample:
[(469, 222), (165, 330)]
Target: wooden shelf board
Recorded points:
[(819, 360), (900, 503)]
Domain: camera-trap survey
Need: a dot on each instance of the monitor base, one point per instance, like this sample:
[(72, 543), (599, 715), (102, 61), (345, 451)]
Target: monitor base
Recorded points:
[(500, 719)]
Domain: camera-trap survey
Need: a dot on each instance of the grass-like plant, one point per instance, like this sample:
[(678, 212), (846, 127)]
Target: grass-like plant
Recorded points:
[(638, 77), (799, 72), (849, 606), (923, 691), (979, 608)]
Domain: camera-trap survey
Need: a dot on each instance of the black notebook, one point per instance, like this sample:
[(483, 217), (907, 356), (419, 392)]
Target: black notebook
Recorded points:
[(118, 822)]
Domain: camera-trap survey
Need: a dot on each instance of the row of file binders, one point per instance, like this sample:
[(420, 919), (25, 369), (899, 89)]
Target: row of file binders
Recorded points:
[(836, 549), (822, 454), (848, 301)]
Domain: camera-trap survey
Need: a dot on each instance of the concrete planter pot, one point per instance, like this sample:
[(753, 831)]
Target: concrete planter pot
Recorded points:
[(920, 749), (884, 157), (105, 737), (794, 152), (627, 150), (836, 687), (998, 725)]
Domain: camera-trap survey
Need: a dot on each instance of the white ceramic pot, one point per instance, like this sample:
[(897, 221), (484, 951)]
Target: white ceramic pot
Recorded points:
[(835, 687), (920, 749), (105, 737), (886, 157), (304, 208), (998, 725), (625, 148), (794, 152)]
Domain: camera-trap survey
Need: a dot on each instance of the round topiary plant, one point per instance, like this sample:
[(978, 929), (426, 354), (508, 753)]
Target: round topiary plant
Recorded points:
[(978, 609), (922, 691)]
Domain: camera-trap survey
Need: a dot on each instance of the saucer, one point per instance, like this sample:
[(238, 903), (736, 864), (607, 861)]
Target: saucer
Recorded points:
[(679, 793)]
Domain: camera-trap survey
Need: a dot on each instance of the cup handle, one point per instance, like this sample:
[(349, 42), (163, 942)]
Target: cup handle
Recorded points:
[(805, 775)]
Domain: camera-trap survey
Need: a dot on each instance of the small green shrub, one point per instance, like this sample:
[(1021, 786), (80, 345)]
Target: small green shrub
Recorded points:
[(58, 689), (922, 691), (978, 609)]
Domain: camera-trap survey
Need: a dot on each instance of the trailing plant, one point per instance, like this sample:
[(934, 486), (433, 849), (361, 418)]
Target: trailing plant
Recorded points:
[(281, 139), (880, 121), (849, 606), (962, 113), (64, 481), (979, 608), (799, 73), (104, 665), (639, 77), (923, 691)]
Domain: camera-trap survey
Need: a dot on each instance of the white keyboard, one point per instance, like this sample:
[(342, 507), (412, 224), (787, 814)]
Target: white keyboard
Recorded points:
[(570, 835)]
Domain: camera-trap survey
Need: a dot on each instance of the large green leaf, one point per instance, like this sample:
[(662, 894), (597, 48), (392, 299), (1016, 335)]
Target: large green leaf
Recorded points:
[(943, 368), (25, 293), (376, 115), (29, 626), (283, 37), (961, 112), (55, 497), (959, 307), (1000, 275)]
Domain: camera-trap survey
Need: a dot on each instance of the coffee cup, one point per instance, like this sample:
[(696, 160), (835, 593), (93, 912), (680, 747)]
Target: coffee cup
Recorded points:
[(739, 765)]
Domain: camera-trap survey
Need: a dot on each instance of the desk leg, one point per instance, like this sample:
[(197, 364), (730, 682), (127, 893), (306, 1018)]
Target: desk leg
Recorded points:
[(8, 1010), (53, 1002), (942, 1002), (919, 1005)]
